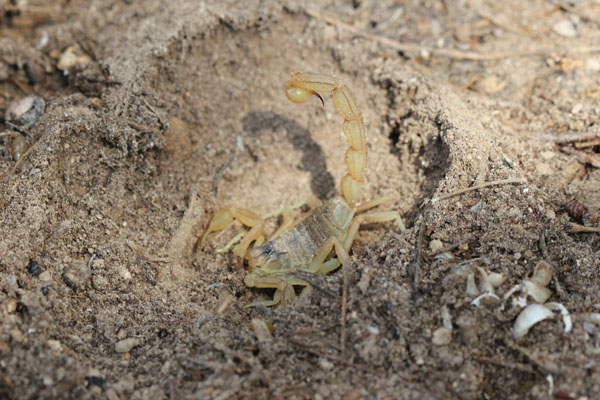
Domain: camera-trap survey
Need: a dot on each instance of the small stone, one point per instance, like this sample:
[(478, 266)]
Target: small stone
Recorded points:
[(121, 334), (124, 273), (77, 274), (577, 108), (365, 280), (125, 345), (325, 364), (55, 346), (99, 282), (34, 268), (16, 335), (436, 245), (25, 111), (45, 276), (441, 336), (94, 380), (70, 58), (18, 146), (11, 306), (565, 28), (490, 85), (547, 155)]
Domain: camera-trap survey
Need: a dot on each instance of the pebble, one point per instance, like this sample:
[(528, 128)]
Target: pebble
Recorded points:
[(99, 282), (565, 28), (125, 345), (25, 111), (55, 346), (11, 306), (70, 58), (95, 380), (34, 268), (77, 274), (18, 146), (45, 276), (441, 336), (325, 364), (436, 245)]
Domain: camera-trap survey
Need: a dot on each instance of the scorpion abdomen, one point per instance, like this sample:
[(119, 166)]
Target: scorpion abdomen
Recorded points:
[(299, 245)]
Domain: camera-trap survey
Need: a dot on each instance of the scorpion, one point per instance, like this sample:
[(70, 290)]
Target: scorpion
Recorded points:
[(320, 241)]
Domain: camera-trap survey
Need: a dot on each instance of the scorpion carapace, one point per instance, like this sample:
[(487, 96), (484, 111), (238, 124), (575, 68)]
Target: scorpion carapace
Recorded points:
[(320, 241)]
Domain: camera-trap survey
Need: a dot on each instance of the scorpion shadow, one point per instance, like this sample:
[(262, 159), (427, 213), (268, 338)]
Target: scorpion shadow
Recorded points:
[(313, 160)]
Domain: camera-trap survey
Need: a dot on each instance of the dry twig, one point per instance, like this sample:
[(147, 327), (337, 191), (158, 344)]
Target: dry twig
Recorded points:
[(147, 257), (221, 171), (583, 156), (477, 187), (344, 311), (309, 278), (415, 270), (572, 227)]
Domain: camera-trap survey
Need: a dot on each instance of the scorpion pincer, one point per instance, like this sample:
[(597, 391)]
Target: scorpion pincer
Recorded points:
[(320, 241)]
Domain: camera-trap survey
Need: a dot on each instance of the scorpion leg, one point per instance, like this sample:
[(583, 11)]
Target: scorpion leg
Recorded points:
[(318, 263), (284, 286), (225, 217), (376, 216)]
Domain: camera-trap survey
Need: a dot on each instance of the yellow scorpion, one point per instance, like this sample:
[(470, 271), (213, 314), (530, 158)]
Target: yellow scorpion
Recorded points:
[(321, 240)]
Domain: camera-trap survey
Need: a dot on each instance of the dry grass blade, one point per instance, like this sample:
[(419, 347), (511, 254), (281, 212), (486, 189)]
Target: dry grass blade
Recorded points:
[(477, 187)]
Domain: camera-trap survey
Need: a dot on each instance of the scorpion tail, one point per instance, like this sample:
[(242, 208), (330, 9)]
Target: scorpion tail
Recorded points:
[(300, 86)]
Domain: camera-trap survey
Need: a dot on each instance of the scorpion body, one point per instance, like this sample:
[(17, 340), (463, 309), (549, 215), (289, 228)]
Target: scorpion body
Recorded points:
[(319, 242)]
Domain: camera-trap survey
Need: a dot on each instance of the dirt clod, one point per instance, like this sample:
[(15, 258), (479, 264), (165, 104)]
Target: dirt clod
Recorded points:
[(77, 274)]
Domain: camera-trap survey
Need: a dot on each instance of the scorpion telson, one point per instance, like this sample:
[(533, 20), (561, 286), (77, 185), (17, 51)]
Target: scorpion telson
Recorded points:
[(320, 241)]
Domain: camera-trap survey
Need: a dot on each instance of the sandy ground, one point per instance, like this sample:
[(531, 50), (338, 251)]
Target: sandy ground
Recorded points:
[(158, 115)]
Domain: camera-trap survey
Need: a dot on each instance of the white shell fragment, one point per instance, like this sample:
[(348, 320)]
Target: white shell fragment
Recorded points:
[(485, 289), (531, 315), (565, 28), (542, 274), (496, 279), (566, 317), (539, 293), (534, 287)]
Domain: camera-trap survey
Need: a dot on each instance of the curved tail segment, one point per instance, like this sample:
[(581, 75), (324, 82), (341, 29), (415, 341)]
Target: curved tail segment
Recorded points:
[(300, 86)]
